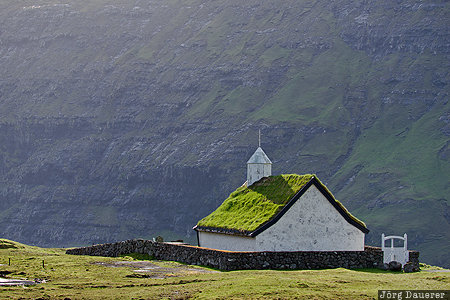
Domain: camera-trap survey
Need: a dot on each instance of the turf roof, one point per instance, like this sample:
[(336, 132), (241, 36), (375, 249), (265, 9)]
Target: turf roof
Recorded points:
[(249, 208)]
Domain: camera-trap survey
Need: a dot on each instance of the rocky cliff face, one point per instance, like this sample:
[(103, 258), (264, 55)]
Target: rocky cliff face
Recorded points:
[(124, 119)]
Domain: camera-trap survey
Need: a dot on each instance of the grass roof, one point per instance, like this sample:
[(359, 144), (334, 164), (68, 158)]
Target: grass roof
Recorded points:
[(248, 208)]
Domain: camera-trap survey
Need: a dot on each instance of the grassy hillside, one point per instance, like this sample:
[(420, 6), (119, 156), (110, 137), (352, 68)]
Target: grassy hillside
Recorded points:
[(76, 277)]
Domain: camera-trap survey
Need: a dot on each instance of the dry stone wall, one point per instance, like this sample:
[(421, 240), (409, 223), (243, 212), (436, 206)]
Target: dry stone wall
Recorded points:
[(371, 257)]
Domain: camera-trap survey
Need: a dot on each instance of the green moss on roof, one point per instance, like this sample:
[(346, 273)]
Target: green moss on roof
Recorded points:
[(248, 208)]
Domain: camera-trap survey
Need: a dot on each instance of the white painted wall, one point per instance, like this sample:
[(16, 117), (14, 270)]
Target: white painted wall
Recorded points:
[(311, 224), (226, 241), (257, 171)]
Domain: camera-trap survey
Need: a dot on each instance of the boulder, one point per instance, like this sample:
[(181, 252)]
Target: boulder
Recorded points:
[(410, 267), (395, 266)]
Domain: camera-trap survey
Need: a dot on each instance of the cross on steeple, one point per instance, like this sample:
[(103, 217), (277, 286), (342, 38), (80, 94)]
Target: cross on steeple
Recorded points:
[(259, 138)]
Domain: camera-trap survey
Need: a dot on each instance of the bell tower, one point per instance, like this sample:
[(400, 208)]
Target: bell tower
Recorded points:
[(259, 165)]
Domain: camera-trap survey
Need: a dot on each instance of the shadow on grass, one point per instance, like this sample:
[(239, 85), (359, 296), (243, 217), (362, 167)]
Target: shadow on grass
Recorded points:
[(377, 271), (138, 256), (201, 266)]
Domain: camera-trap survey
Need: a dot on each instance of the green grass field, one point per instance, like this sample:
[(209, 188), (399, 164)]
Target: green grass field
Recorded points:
[(88, 277)]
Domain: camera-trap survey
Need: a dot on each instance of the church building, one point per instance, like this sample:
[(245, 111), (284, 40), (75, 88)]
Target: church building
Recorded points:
[(288, 212)]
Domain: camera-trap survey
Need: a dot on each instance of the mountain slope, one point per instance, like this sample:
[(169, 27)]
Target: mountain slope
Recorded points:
[(127, 119)]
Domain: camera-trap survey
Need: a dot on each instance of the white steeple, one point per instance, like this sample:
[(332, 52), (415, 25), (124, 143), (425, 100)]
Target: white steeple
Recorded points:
[(258, 166)]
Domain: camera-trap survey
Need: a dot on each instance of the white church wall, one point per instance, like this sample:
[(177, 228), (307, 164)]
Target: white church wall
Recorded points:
[(311, 224), (226, 241)]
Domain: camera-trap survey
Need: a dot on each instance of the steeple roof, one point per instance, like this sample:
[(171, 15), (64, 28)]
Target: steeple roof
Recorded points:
[(259, 157)]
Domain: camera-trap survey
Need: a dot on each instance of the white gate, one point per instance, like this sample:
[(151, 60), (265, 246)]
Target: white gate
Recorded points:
[(392, 253)]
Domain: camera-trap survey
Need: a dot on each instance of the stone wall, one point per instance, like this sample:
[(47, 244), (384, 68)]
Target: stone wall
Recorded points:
[(414, 257), (371, 257)]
